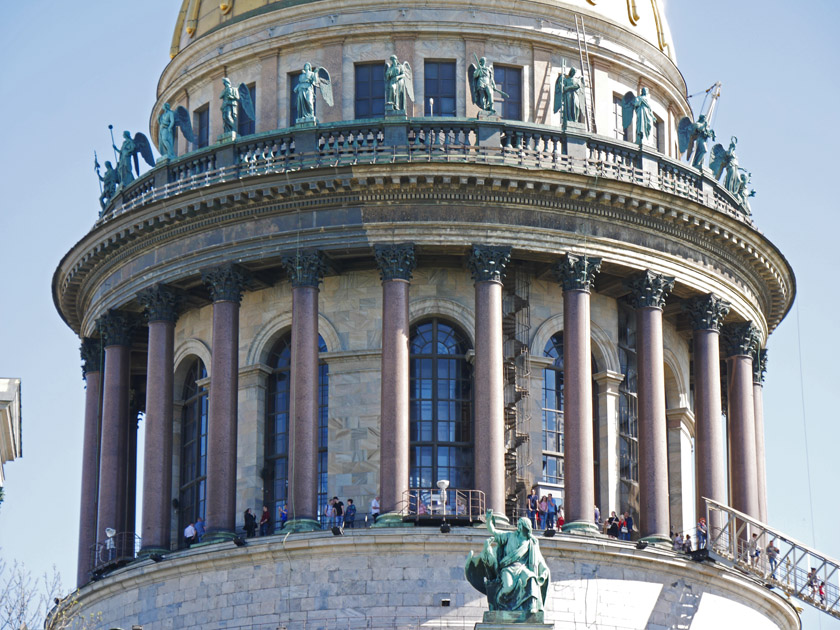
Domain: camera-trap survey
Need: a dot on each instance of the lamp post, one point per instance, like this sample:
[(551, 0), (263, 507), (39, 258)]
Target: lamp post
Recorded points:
[(443, 484)]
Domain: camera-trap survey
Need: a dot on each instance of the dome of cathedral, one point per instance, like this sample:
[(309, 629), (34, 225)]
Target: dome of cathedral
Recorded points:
[(643, 18)]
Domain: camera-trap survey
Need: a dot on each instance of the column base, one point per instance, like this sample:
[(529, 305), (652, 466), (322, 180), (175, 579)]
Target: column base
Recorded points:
[(212, 538), (657, 539), (585, 528), (502, 522), (391, 519), (300, 525), (148, 552)]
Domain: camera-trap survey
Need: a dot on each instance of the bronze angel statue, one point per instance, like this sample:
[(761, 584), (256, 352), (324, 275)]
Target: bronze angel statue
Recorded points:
[(483, 85), (640, 107), (168, 121), (128, 153), (725, 159), (309, 81), (567, 96), (232, 98), (693, 138), (399, 83)]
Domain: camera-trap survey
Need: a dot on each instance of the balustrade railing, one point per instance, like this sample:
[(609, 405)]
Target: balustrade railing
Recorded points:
[(434, 504), (424, 140), (118, 549)]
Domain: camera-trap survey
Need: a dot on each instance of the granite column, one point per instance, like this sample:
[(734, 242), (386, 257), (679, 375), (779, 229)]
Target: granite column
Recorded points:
[(396, 264), (487, 265), (576, 274), (225, 284), (759, 368), (707, 314), (305, 271), (92, 371), (648, 292), (161, 305)]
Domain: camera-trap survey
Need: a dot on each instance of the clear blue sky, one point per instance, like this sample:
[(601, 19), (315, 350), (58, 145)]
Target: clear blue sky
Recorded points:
[(72, 68)]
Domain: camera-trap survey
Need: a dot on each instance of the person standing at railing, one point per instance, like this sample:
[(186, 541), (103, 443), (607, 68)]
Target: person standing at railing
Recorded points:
[(350, 515), (813, 583), (550, 511), (754, 550), (374, 508), (612, 525), (265, 521), (702, 533), (542, 511), (531, 507), (250, 523), (822, 593), (772, 552), (199, 528), (189, 535)]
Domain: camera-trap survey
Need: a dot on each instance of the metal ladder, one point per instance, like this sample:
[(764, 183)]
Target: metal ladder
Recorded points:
[(729, 534), (586, 74)]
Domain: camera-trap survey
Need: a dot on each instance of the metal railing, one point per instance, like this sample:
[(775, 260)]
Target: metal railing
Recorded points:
[(119, 549), (424, 140), (796, 569), (454, 504)]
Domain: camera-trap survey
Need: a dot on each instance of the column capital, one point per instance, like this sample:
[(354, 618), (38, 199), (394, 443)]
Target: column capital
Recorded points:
[(707, 312), (577, 273), (487, 262), (395, 261), (225, 283), (649, 289), (741, 339), (117, 328), (759, 365), (91, 351), (161, 303), (305, 269)]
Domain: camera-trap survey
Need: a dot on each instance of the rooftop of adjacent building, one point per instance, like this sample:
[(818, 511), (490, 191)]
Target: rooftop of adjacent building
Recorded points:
[(11, 445)]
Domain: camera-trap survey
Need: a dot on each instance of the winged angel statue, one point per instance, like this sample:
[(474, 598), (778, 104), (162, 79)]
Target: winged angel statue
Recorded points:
[(399, 83), (309, 81), (640, 106), (168, 122), (483, 84), (693, 138), (735, 181), (231, 99), (128, 152)]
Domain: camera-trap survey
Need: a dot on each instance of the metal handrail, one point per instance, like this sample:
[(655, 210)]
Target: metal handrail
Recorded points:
[(427, 503), (120, 548), (797, 570), (423, 140)]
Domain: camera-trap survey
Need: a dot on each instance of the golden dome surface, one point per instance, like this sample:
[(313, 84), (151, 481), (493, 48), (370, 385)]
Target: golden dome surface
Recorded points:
[(643, 18)]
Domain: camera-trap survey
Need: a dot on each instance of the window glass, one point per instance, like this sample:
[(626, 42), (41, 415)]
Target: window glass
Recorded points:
[(193, 480), (370, 90), (201, 126), (245, 126), (439, 88), (509, 80)]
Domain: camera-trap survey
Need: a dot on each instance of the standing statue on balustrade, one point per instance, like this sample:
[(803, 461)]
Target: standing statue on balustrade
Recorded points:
[(640, 107), (308, 83), (567, 96), (168, 122), (693, 138), (510, 570), (399, 84), (128, 153), (483, 85), (232, 99), (725, 159)]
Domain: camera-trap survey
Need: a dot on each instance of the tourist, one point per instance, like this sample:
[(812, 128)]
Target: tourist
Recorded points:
[(677, 543), (250, 524), (284, 516), (687, 544), (350, 515), (531, 507), (813, 583), (338, 506), (772, 552), (753, 549), (822, 593), (597, 516), (199, 528), (612, 525), (189, 535), (374, 508), (702, 533), (561, 520), (626, 527), (329, 514), (542, 508), (265, 522), (551, 511)]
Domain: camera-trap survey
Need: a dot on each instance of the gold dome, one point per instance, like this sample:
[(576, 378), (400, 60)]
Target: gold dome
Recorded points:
[(644, 18)]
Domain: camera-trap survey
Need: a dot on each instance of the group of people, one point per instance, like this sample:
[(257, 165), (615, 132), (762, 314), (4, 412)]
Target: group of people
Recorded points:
[(543, 512), (336, 514), (265, 521), (619, 526), (194, 532)]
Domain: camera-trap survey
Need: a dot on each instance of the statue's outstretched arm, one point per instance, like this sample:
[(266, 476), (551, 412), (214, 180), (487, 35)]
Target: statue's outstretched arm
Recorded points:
[(491, 524)]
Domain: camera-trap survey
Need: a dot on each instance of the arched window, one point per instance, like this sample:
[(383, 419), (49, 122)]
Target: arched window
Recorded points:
[(276, 471), (192, 492), (552, 418), (441, 406)]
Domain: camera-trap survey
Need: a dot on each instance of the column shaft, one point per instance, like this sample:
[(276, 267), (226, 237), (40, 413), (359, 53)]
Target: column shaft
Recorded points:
[(90, 477), (394, 438), (577, 412), (220, 507), (489, 395), (113, 442), (157, 457), (760, 451), (742, 447), (653, 437), (709, 453), (304, 405)]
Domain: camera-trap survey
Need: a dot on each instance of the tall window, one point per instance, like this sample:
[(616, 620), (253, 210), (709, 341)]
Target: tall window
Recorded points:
[(245, 125), (370, 90), (276, 472), (618, 125), (552, 412), (628, 416), (192, 492), (201, 124), (439, 88), (509, 80), (655, 134), (441, 406)]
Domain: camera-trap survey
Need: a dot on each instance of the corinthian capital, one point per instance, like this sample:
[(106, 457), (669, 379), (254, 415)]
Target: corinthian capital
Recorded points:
[(577, 273), (117, 328), (161, 303), (305, 269), (396, 262), (707, 312), (759, 365), (225, 283), (741, 339), (91, 352), (487, 263), (649, 289)]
